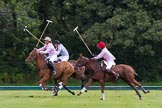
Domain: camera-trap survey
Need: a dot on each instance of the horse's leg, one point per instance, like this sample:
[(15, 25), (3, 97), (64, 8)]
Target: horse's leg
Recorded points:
[(83, 83), (64, 79), (90, 82), (56, 89), (41, 81), (60, 85), (134, 87), (44, 86), (140, 85), (102, 90), (54, 83), (69, 90)]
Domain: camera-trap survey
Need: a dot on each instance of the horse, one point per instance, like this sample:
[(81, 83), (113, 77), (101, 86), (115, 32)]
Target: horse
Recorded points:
[(97, 74), (79, 74), (63, 69)]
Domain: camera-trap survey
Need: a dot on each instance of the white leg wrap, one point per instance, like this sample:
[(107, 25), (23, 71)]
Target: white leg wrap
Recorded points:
[(83, 89), (60, 85), (103, 96), (40, 84)]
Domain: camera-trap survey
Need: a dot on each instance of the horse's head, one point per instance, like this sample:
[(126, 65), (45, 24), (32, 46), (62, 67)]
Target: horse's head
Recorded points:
[(90, 64), (32, 56), (82, 61)]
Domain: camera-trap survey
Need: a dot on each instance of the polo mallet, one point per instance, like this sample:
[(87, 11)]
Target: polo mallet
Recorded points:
[(83, 40), (25, 29), (48, 21)]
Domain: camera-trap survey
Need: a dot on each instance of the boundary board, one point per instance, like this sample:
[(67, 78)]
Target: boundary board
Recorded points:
[(78, 87)]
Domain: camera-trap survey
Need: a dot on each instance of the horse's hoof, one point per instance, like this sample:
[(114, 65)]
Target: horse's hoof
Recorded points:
[(55, 94), (79, 93), (148, 91), (140, 98), (102, 98)]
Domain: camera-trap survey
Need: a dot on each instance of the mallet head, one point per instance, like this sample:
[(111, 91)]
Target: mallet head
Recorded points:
[(25, 28), (75, 28), (49, 21)]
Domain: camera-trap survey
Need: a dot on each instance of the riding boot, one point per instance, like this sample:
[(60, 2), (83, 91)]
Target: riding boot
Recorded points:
[(51, 67), (114, 73)]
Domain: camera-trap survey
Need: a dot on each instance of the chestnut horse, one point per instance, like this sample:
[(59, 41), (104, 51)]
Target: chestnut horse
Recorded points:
[(97, 74), (63, 71), (79, 74)]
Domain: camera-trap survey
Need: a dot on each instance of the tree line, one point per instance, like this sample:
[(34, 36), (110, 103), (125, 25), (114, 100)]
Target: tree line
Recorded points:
[(131, 29)]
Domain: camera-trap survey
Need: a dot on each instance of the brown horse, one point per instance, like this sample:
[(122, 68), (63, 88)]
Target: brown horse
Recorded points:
[(97, 74), (63, 71), (79, 74)]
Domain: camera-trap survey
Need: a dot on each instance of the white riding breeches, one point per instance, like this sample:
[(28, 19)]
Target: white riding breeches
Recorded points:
[(52, 58), (109, 64), (63, 58)]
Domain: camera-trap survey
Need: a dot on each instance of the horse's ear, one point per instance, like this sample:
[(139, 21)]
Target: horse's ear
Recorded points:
[(81, 55)]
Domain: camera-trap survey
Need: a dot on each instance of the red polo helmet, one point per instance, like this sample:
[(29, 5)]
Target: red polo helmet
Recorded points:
[(101, 45)]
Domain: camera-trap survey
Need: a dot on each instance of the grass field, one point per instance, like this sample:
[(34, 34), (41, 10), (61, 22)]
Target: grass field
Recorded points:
[(44, 99)]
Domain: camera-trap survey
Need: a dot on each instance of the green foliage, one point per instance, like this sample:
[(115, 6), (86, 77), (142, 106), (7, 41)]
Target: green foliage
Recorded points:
[(15, 44)]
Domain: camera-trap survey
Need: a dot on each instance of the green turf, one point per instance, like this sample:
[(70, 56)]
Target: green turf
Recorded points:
[(44, 99)]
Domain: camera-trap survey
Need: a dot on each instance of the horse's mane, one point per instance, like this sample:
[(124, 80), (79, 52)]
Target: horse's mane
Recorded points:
[(42, 57), (96, 63)]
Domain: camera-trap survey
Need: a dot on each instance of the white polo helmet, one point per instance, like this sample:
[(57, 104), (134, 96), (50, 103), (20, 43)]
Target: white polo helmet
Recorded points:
[(47, 39)]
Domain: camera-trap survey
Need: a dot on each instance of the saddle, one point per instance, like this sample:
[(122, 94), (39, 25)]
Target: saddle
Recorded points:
[(103, 65)]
